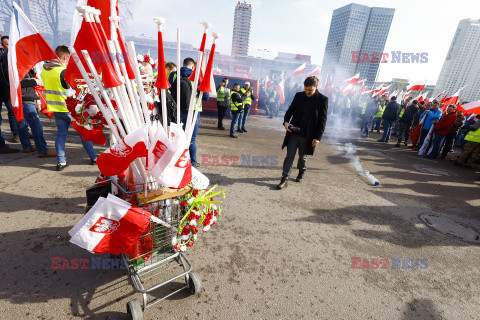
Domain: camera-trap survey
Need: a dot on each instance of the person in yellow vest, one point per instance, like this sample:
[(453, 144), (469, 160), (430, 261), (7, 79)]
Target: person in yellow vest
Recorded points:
[(223, 101), (247, 93), (56, 94), (471, 150), (377, 119), (236, 105), (273, 102)]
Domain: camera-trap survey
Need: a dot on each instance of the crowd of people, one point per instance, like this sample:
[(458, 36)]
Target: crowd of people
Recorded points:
[(429, 127)]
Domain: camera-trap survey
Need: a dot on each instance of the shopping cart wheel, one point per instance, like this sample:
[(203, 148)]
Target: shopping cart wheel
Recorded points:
[(134, 310), (194, 282)]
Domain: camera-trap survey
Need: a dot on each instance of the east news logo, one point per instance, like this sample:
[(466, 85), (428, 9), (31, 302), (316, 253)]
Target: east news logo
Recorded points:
[(385, 263)]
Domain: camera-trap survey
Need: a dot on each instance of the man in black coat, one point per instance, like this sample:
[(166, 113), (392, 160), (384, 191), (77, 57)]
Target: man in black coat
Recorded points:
[(390, 115), (305, 122), (405, 123)]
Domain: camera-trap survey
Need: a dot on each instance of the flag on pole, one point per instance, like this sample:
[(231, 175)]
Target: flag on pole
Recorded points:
[(299, 70), (27, 48), (353, 80), (315, 72), (452, 100), (162, 81), (419, 86), (112, 226), (205, 86), (471, 107), (105, 6)]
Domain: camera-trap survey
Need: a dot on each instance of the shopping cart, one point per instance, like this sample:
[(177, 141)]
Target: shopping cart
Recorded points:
[(155, 263)]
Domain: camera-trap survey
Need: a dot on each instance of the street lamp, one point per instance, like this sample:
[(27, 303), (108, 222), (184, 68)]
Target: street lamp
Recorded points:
[(263, 51)]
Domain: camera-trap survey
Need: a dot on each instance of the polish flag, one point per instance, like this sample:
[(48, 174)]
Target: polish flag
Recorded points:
[(268, 83), (174, 168), (162, 81), (438, 95), (27, 48), (315, 72), (353, 80), (161, 150), (199, 63), (471, 107), (348, 88), (419, 86), (105, 6), (118, 157), (452, 100), (299, 70), (205, 86), (112, 226), (217, 71)]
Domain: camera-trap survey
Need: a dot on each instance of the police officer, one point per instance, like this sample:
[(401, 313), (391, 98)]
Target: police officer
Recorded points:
[(223, 98), (236, 105), (247, 93), (272, 102)]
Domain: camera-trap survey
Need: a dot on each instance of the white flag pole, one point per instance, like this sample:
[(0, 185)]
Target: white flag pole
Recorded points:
[(160, 22), (178, 75), (194, 95)]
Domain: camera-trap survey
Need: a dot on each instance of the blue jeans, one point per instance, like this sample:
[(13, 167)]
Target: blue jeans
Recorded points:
[(193, 143), (387, 130), (31, 119), (365, 125), (242, 120), (63, 121), (235, 117), (438, 141), (11, 118), (376, 124)]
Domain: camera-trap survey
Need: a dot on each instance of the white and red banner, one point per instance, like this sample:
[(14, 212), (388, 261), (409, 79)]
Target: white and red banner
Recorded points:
[(27, 48), (118, 157), (353, 80), (419, 86), (112, 226), (315, 72), (471, 107), (299, 70)]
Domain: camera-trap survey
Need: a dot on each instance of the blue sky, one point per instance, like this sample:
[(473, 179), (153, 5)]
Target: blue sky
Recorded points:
[(301, 26)]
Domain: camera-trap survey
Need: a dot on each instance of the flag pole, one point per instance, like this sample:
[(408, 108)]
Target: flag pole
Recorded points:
[(163, 98), (178, 75), (193, 96)]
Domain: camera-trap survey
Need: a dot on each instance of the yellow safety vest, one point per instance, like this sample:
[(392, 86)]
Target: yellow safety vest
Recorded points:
[(401, 113), (381, 109), (473, 136), (55, 94), (248, 99), (221, 94), (363, 106), (234, 105), (273, 97)]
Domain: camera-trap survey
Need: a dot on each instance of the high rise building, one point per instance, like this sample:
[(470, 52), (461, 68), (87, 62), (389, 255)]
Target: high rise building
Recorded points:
[(241, 29), (356, 29), (462, 64), (33, 11)]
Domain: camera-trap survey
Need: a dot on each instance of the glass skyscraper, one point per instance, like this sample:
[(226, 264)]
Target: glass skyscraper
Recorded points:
[(360, 29)]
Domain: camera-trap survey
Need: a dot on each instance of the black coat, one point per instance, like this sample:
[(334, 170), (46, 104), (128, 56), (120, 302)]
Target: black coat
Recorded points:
[(27, 84), (409, 115), (316, 124), (391, 111)]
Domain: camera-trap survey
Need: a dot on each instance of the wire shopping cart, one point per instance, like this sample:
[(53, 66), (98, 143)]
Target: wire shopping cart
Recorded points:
[(155, 263)]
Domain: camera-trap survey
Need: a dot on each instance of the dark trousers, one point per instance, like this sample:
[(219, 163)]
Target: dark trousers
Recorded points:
[(222, 110), (449, 139), (295, 142), (423, 135), (387, 130), (470, 153), (376, 124), (438, 141), (403, 132)]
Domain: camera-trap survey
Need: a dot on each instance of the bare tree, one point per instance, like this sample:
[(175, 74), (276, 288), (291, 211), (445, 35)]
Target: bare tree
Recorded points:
[(51, 12)]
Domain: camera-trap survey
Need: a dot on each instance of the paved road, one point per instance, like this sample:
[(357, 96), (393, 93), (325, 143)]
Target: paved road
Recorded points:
[(273, 254)]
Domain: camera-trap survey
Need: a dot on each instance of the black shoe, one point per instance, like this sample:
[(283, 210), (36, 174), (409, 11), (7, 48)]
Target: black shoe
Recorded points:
[(283, 183), (196, 165), (221, 128), (397, 145), (7, 149), (60, 166), (240, 130), (93, 162), (300, 176), (244, 130), (233, 136), (380, 140)]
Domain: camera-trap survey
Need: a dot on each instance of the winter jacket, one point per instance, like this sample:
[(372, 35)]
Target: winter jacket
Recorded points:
[(391, 111), (318, 119), (409, 115), (27, 84), (445, 124), (170, 105), (185, 87), (4, 82), (433, 115)]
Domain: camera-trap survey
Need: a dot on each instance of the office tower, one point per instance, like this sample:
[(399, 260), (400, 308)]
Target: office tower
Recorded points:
[(356, 28), (241, 29)]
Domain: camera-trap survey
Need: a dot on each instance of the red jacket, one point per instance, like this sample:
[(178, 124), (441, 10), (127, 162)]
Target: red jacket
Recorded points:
[(445, 124)]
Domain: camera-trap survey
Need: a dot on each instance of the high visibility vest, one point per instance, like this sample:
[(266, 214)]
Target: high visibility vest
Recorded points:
[(272, 97), (363, 106), (381, 109), (473, 136), (55, 94), (234, 105), (401, 113), (346, 103), (199, 107), (248, 99), (221, 94)]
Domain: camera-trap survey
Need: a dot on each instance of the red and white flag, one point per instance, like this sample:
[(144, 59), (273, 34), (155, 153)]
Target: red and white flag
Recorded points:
[(452, 100), (299, 70), (174, 171), (118, 157), (315, 72), (471, 107), (353, 80), (112, 226), (347, 89), (27, 48), (419, 86)]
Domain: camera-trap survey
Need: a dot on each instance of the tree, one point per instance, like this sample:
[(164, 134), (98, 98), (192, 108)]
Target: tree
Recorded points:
[(50, 10)]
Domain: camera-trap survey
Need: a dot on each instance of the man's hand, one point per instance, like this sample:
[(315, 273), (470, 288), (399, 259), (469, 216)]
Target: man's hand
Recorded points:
[(287, 125), (315, 142)]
